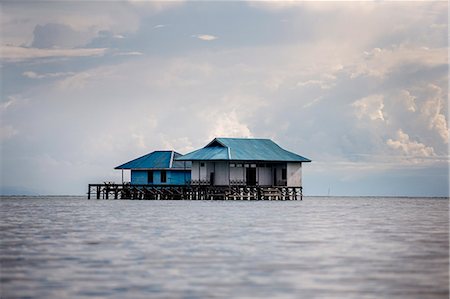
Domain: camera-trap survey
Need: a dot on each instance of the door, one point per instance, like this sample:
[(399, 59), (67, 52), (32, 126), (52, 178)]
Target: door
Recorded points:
[(251, 176), (211, 178)]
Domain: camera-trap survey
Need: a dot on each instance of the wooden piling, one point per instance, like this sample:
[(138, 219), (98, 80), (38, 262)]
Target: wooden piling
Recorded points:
[(193, 192)]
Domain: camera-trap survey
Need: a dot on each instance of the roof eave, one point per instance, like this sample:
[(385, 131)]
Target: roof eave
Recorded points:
[(258, 160)]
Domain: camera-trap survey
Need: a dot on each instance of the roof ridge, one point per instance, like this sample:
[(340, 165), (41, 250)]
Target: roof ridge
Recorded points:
[(171, 158), (144, 159), (243, 138)]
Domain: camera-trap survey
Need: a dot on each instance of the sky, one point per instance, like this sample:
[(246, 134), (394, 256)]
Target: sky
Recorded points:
[(360, 88)]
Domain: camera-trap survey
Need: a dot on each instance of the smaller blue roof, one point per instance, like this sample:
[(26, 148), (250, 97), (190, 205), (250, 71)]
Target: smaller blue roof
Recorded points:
[(156, 159)]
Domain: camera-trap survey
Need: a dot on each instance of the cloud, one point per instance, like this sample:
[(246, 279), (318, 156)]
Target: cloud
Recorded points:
[(80, 80), (433, 111), (228, 125), (12, 101), (155, 6), (132, 53), (55, 24), (14, 54), (379, 62), (408, 100), (305, 82), (7, 132), (58, 35), (205, 37), (320, 83), (313, 102), (410, 147), (371, 107), (33, 75)]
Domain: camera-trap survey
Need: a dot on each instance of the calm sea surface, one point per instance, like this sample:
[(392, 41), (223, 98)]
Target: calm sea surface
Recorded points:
[(55, 247)]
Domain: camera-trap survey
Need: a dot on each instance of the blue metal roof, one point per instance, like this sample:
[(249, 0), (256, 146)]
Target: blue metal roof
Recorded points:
[(207, 153), (156, 159), (243, 149)]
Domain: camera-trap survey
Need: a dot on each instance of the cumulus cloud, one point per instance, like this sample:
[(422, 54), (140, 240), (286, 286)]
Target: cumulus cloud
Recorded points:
[(371, 107), (433, 110), (229, 125), (52, 24), (408, 100), (325, 99), (409, 147), (379, 62)]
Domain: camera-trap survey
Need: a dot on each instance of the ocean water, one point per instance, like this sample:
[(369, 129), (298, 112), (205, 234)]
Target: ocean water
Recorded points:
[(62, 247)]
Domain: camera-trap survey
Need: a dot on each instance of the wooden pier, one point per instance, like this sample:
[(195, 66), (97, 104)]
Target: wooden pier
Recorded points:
[(192, 192)]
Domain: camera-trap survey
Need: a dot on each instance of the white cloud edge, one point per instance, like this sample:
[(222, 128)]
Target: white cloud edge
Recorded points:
[(16, 53), (205, 37)]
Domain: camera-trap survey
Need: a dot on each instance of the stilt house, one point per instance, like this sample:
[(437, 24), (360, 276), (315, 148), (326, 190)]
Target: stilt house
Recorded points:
[(244, 162), (159, 168)]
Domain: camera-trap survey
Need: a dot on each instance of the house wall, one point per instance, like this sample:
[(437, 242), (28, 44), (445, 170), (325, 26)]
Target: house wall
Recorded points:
[(265, 176), (194, 171), (178, 177), (220, 170), (138, 177), (294, 174), (221, 175), (200, 172), (237, 174), (278, 169)]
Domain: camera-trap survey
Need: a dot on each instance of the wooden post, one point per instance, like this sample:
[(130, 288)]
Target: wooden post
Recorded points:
[(257, 170)]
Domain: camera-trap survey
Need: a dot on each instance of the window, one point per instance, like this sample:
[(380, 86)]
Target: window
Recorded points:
[(283, 174), (202, 164), (163, 176), (150, 177)]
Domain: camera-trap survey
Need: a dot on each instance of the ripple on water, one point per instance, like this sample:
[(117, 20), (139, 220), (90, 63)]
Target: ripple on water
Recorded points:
[(318, 248)]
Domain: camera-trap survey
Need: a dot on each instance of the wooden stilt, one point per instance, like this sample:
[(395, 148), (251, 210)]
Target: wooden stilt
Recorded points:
[(194, 192)]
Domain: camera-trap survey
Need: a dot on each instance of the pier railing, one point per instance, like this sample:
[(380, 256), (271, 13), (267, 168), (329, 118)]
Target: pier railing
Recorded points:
[(193, 192)]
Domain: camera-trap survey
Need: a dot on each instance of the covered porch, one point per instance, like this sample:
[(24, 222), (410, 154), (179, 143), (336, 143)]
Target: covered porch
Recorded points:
[(246, 173)]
